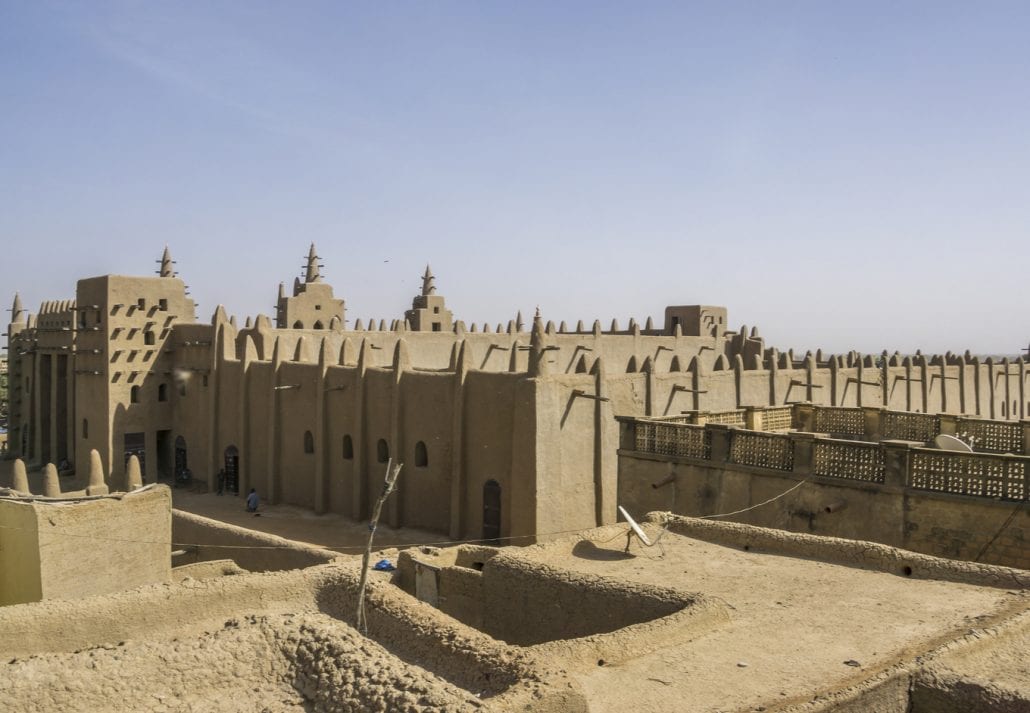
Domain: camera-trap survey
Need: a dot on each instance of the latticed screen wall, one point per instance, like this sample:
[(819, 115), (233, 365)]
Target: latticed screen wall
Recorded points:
[(762, 450), (674, 439), (910, 426), (969, 474), (855, 461), (991, 436), (729, 418), (843, 421), (778, 419)]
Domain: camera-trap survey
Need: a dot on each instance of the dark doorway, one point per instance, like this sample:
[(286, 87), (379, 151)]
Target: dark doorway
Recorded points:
[(232, 470), (165, 455), (492, 512), (136, 445), (181, 460)]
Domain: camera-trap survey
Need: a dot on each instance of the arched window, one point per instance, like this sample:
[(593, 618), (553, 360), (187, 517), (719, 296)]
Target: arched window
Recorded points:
[(421, 455), (298, 325), (382, 451), (134, 395), (148, 338), (162, 392), (85, 428), (317, 325), (348, 448), (309, 442)]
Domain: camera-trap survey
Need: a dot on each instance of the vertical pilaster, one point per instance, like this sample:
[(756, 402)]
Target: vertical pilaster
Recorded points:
[(458, 518), (321, 447), (359, 502)]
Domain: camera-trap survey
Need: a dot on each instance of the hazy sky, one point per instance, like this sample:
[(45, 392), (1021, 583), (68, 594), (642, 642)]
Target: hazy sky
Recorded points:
[(843, 175)]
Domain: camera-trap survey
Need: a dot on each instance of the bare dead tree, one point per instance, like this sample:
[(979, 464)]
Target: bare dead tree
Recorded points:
[(392, 471)]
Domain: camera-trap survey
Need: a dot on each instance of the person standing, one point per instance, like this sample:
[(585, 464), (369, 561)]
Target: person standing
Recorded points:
[(252, 501)]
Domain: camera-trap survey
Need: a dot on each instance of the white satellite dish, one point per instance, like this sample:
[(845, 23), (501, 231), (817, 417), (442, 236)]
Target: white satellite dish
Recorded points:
[(950, 443), (637, 529)]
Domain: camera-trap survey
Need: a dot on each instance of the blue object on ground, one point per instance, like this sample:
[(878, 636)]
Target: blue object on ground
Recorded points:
[(384, 566)]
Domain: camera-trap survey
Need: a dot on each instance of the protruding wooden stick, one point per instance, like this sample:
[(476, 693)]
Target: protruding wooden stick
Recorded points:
[(392, 471)]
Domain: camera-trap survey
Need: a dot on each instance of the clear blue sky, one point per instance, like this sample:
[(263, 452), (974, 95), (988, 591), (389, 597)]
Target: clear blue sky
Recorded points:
[(843, 175)]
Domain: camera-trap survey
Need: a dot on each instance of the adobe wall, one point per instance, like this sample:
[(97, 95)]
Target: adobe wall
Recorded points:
[(152, 612), (86, 547), (942, 525), (834, 550), (20, 579), (211, 540), (564, 604)]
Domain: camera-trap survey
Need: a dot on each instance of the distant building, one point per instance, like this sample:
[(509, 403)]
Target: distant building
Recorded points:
[(503, 432)]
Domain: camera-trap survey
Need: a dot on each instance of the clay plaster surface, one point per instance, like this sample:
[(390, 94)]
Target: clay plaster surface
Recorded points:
[(793, 625), (254, 663)]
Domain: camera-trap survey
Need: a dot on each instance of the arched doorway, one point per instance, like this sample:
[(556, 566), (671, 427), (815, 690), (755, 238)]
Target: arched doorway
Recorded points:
[(232, 470), (181, 463), (492, 512)]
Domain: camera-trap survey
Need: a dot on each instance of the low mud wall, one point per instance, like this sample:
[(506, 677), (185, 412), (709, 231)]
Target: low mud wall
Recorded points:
[(852, 553), (205, 540), (528, 603), (150, 612)]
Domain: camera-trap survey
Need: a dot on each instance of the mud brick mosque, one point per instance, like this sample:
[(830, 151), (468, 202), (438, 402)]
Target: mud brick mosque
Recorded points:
[(504, 431)]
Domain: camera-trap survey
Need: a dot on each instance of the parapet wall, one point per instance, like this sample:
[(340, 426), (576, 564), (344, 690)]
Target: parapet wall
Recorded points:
[(74, 548), (835, 550), (970, 506), (565, 604)]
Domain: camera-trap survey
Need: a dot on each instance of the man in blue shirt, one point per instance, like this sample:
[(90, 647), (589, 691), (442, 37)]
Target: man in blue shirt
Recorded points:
[(252, 501)]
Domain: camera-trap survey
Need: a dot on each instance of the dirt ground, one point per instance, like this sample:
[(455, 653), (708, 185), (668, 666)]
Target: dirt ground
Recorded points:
[(797, 626), (332, 531)]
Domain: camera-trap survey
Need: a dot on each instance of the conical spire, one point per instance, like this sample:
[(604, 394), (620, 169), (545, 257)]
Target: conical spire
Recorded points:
[(428, 288), (537, 347), (311, 275), (166, 264), (17, 313)]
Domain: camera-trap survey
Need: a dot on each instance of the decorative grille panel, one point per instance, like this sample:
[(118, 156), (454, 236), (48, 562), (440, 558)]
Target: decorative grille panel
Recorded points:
[(673, 439), (729, 418), (987, 476), (991, 436), (857, 461), (764, 450), (843, 421), (910, 426), (778, 419)]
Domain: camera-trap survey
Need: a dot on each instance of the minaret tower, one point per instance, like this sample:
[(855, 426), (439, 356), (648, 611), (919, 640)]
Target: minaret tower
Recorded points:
[(312, 305), (428, 312)]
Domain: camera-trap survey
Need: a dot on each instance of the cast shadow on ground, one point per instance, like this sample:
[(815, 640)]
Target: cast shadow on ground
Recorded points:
[(585, 549)]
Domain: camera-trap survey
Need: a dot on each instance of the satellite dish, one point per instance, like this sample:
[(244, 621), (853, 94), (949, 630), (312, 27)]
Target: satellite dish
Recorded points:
[(950, 443), (637, 530)]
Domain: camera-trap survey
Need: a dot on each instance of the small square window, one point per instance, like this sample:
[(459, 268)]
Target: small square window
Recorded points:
[(141, 303), (436, 326), (318, 306), (162, 305), (436, 310)]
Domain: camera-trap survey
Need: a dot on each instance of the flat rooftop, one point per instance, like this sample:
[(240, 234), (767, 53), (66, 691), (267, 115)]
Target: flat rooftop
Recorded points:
[(797, 629)]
